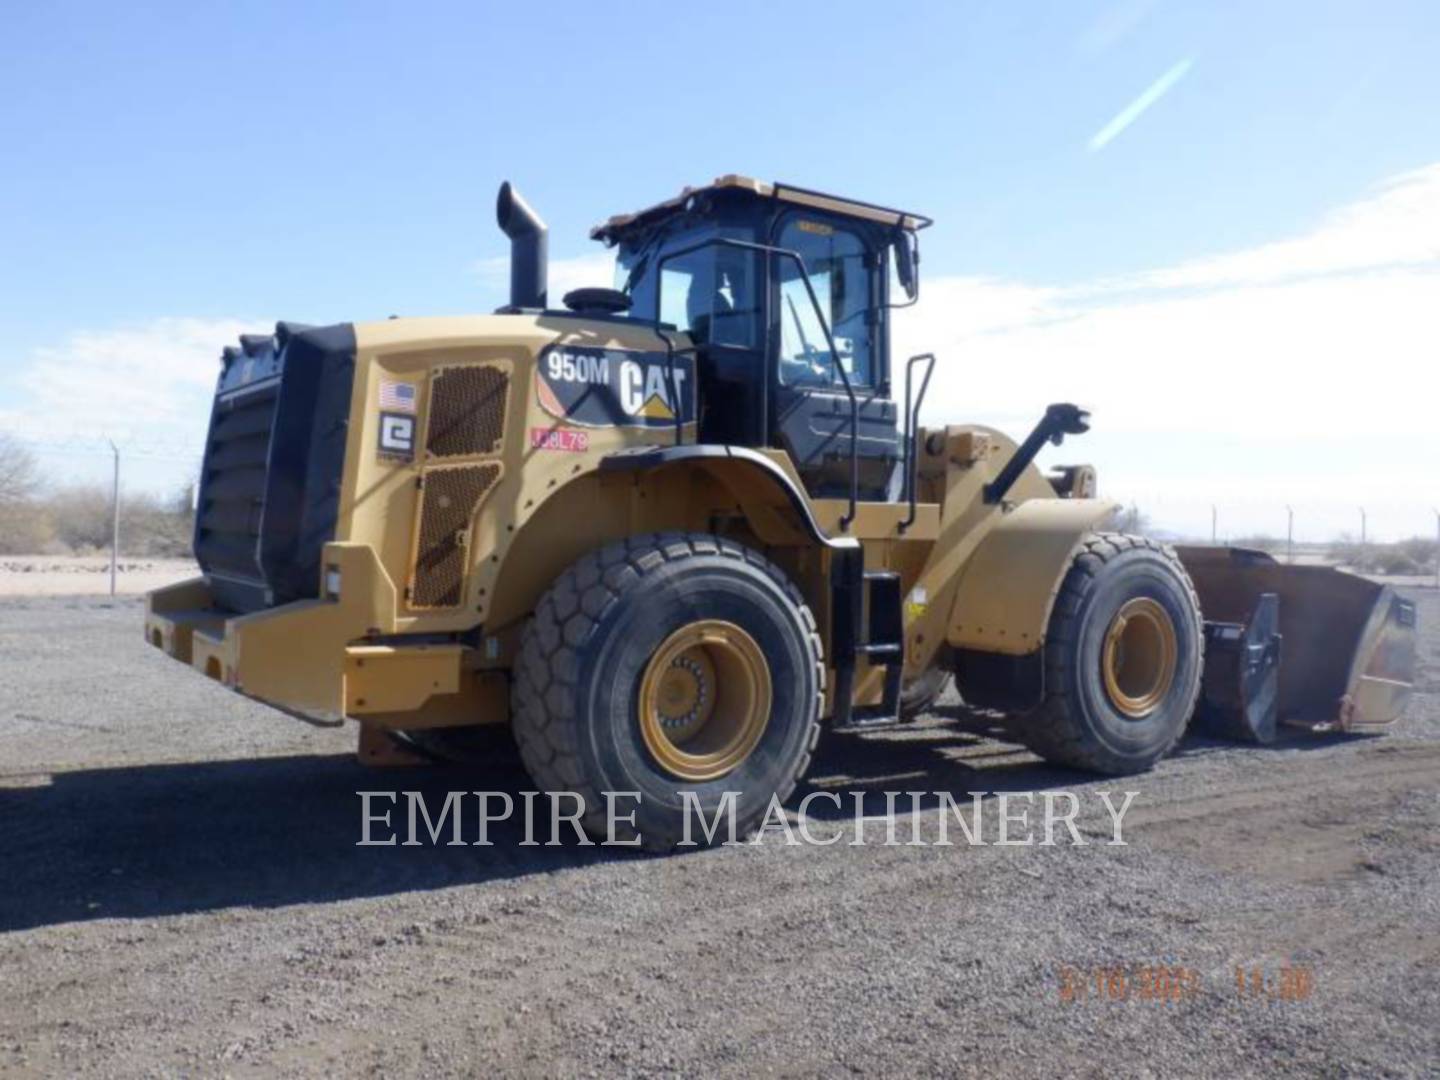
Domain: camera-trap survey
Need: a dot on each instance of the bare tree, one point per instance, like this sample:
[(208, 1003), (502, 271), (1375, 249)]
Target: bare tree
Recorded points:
[(19, 477), (24, 528)]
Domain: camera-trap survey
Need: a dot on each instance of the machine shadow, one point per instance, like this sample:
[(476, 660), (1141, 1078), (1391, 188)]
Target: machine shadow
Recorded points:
[(956, 760), (169, 839), (1199, 743), (972, 752), (155, 840)]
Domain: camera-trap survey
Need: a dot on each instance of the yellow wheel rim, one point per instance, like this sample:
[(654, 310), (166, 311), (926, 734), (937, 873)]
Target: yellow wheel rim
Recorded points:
[(1139, 657), (704, 700)]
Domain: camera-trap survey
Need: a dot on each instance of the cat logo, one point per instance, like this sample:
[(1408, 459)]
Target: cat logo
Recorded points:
[(614, 387)]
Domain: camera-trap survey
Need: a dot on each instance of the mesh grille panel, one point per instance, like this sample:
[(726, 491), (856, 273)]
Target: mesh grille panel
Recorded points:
[(449, 500), (467, 411)]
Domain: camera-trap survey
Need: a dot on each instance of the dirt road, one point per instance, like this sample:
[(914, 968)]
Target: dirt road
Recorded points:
[(180, 893)]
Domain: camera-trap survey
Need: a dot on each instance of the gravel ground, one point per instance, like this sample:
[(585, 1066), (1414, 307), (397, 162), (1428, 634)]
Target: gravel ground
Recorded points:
[(181, 894)]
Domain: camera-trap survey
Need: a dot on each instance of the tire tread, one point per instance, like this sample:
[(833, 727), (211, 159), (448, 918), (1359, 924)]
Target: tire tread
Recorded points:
[(1054, 730), (565, 624)]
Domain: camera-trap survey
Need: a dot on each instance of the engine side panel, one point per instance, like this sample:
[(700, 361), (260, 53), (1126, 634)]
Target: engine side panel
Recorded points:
[(463, 430)]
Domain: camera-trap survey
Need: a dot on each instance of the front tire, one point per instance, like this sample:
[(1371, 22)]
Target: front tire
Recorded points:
[(1123, 657), (666, 664)]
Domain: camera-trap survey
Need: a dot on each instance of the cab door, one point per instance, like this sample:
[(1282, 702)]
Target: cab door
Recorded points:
[(810, 408)]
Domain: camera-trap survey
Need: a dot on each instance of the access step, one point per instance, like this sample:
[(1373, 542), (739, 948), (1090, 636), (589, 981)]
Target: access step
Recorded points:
[(883, 646)]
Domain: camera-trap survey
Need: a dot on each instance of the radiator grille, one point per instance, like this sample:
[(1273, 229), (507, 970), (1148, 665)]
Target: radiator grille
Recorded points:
[(227, 535), (269, 492), (467, 411), (448, 503)]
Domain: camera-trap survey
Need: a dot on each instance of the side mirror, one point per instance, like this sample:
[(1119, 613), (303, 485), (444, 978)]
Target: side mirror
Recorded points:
[(907, 257)]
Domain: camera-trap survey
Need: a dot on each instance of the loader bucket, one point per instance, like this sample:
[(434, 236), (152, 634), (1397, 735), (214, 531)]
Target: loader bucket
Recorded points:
[(1343, 659)]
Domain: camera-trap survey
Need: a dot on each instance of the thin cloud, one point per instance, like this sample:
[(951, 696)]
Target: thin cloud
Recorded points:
[(1113, 25), (151, 381), (593, 268), (1397, 225), (1132, 112), (1257, 376)]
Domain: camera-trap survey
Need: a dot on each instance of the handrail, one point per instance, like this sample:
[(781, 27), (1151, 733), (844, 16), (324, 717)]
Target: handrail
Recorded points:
[(912, 431), (746, 245)]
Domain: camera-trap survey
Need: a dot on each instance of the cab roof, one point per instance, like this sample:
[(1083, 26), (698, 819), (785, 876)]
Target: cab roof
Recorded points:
[(613, 227)]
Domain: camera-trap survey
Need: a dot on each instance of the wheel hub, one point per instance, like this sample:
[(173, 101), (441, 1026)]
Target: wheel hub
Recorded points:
[(1139, 657), (687, 694), (705, 698)]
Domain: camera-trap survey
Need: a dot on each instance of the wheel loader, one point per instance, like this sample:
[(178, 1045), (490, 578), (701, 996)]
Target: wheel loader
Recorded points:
[(672, 532)]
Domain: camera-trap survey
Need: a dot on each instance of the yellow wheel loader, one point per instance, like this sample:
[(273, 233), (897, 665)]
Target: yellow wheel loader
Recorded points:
[(673, 531)]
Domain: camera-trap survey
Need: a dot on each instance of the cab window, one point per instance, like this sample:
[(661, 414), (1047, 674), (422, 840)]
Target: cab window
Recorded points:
[(712, 293), (835, 261)]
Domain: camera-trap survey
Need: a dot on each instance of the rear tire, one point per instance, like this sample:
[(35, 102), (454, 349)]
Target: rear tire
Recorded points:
[(701, 626), (1123, 657)]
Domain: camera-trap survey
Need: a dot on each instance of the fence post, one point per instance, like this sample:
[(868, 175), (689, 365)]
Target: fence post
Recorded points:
[(114, 515)]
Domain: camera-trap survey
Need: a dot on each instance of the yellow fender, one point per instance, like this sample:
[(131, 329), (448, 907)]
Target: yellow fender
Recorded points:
[(1006, 590)]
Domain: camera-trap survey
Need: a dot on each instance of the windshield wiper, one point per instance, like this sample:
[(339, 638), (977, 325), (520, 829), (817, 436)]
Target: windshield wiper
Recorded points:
[(799, 326)]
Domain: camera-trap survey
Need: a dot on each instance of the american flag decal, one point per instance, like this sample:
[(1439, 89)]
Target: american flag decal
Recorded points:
[(397, 396)]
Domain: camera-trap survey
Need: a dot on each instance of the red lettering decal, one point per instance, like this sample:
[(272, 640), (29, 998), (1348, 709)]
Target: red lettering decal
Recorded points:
[(576, 442)]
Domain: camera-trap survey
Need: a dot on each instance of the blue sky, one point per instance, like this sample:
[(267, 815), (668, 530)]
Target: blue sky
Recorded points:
[(173, 171)]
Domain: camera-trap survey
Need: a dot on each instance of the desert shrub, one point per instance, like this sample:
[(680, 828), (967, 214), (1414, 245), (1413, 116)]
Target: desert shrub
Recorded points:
[(1128, 519), (24, 529), (78, 520), (1413, 556), (80, 517), (156, 528), (1391, 559), (1422, 550), (1345, 551), (1260, 542)]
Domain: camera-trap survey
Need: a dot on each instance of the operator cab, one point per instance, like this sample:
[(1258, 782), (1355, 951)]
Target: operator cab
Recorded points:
[(775, 347)]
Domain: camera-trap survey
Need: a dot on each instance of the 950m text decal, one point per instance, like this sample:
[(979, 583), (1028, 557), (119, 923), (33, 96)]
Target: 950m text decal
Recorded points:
[(614, 387)]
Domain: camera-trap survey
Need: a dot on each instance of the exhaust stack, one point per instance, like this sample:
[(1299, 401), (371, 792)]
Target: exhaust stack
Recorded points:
[(529, 248)]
